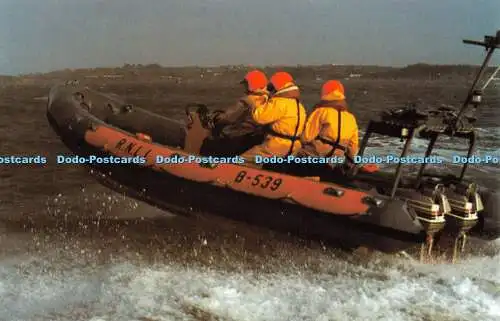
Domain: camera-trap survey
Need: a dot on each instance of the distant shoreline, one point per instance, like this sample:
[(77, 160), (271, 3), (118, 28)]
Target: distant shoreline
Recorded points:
[(157, 67)]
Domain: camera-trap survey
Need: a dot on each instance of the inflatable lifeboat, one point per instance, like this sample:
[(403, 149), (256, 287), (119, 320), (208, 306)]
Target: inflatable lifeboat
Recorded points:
[(388, 212)]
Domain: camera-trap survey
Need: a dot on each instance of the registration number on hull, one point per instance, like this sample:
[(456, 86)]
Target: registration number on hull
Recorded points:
[(262, 181)]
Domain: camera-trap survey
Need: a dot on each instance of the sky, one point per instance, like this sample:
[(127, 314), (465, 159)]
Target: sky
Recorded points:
[(46, 35)]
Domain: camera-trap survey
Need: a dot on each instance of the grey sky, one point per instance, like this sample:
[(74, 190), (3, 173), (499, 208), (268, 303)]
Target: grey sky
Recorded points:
[(43, 35)]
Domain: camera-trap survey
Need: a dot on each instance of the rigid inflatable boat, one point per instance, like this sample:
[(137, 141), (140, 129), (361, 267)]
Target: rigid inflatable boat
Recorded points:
[(388, 212)]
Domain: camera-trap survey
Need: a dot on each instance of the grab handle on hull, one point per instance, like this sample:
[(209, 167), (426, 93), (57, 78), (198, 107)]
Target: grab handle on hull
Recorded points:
[(333, 192), (143, 137), (373, 201)]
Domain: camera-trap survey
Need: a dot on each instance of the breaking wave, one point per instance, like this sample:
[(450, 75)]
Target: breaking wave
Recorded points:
[(333, 290)]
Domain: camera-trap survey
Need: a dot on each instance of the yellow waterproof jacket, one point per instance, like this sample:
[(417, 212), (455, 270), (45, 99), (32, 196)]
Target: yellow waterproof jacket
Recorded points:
[(331, 124), (285, 116), (237, 120)]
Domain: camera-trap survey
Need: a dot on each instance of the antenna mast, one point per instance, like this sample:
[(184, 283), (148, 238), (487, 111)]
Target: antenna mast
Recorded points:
[(490, 43)]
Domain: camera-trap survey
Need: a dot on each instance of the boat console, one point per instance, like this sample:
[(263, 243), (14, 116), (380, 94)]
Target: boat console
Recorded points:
[(196, 127), (409, 122), (457, 200)]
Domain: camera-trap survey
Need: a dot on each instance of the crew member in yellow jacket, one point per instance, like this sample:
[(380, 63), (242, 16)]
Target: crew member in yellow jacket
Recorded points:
[(331, 129), (285, 117)]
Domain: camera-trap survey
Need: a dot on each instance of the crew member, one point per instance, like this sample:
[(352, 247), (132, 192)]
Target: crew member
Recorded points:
[(237, 120), (285, 117), (331, 129)]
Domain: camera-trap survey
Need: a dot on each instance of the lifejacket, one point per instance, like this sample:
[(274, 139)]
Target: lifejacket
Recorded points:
[(288, 93), (339, 107), (292, 138)]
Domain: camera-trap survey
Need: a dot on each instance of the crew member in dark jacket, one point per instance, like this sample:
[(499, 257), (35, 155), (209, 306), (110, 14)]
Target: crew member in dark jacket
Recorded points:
[(236, 121)]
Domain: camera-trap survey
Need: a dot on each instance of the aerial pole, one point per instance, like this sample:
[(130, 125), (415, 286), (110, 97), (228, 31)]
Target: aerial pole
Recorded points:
[(490, 43)]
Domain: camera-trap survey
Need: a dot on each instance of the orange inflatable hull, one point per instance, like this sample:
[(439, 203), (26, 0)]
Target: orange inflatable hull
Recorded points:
[(248, 180), (91, 123)]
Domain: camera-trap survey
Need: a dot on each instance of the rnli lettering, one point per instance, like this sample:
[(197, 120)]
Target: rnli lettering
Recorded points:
[(131, 148), (259, 180), (120, 143)]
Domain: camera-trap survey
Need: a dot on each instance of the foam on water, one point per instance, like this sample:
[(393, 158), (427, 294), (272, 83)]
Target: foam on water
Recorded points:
[(337, 291), (44, 287)]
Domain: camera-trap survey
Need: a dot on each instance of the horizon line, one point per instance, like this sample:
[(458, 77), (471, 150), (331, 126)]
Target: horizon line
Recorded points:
[(207, 66)]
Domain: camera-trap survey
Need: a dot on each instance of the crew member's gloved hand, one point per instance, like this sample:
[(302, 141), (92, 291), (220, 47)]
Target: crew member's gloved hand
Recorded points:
[(204, 115), (213, 119), (349, 168), (211, 123)]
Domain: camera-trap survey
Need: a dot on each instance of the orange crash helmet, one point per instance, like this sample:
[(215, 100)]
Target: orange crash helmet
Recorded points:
[(280, 80), (332, 90), (255, 80)]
